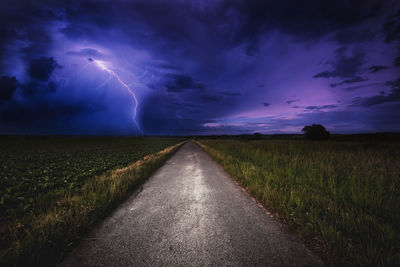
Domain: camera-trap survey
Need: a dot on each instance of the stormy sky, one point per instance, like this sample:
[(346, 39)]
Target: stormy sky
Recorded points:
[(180, 67)]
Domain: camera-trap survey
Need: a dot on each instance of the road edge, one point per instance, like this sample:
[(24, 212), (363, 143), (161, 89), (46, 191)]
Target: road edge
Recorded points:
[(55, 233), (274, 216)]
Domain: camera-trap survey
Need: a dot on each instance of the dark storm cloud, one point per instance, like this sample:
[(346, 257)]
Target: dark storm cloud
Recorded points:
[(43, 114), (36, 103), (353, 88), (37, 106), (318, 108), (231, 94), (393, 96), (183, 112), (376, 100), (170, 114), (211, 97), (40, 71), (37, 88), (41, 68), (26, 21), (64, 118), (149, 24), (351, 36), (226, 24), (395, 85), (237, 21), (321, 107), (200, 44), (44, 111), (180, 82), (396, 61), (6, 34), (290, 101), (7, 87), (307, 20), (376, 68), (87, 52), (344, 66), (168, 66), (391, 29), (348, 81)]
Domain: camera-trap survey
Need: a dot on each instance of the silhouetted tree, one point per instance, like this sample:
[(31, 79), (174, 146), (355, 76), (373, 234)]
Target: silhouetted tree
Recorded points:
[(315, 132), (257, 136)]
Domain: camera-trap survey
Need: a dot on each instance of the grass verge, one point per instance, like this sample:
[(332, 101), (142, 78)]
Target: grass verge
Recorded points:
[(342, 198), (43, 239)]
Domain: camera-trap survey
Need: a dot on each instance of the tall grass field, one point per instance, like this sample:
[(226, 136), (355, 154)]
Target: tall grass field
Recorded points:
[(54, 189), (342, 198)]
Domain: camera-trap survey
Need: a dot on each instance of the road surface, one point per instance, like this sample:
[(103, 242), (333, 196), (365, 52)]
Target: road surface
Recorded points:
[(190, 213)]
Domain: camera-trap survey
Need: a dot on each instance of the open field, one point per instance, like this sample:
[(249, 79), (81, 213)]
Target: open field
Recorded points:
[(342, 197), (53, 189), (190, 213)]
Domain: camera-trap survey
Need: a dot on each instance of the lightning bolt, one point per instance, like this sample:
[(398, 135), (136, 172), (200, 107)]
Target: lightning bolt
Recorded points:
[(103, 66)]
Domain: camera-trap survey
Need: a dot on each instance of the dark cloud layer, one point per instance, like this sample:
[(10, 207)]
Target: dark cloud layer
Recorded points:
[(321, 107), (356, 87), (392, 31), (393, 96), (307, 20), (87, 52), (317, 108), (344, 66), (7, 87), (351, 36), (396, 61), (356, 79), (41, 68), (193, 64), (181, 82), (376, 68)]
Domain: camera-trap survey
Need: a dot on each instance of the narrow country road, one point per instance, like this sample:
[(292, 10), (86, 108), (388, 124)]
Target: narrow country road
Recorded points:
[(190, 213)]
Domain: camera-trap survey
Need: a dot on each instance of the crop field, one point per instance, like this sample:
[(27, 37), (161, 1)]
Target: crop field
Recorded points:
[(48, 187), (341, 197), (35, 170)]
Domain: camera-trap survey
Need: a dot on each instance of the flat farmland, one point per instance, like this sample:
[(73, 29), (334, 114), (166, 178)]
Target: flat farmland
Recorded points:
[(35, 170), (53, 188)]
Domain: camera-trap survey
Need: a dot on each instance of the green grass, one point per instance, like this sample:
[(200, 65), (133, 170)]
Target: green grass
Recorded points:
[(343, 198), (54, 189)]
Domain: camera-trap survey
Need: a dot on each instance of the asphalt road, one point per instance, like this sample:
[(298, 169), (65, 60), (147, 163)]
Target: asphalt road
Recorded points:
[(190, 213)]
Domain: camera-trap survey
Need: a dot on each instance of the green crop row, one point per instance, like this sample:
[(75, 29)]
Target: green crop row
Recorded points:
[(66, 202)]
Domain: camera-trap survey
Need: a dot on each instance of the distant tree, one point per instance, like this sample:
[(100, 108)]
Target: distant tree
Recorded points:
[(257, 136), (315, 132)]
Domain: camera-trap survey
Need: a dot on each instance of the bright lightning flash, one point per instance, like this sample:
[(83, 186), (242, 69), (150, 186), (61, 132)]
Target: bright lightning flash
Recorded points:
[(103, 66)]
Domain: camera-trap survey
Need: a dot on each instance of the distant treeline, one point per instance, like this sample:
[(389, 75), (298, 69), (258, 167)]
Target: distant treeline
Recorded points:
[(337, 137)]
